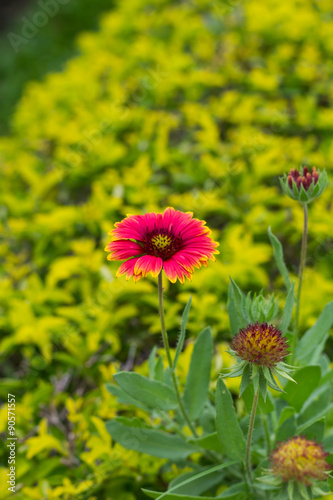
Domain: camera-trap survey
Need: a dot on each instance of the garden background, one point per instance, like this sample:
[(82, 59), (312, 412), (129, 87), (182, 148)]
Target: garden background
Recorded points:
[(115, 108)]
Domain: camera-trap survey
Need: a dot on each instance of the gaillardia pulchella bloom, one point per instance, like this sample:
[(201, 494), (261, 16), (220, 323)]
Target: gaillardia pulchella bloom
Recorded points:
[(260, 350), (301, 460), (173, 241), (304, 186)]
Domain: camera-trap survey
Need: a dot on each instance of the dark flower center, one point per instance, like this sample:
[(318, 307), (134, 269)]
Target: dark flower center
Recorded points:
[(161, 243), (306, 179)]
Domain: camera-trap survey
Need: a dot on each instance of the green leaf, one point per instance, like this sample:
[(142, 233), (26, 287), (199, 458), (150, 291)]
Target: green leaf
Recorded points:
[(278, 255), (314, 430), (307, 379), (152, 362), (133, 434), (156, 370), (123, 397), (197, 486), (228, 430), (286, 413), (316, 405), (235, 492), (287, 430), (159, 370), (312, 343), (303, 196), (194, 478), (246, 378), (270, 378), (263, 406), (174, 496), (235, 306), (152, 393), (197, 381), (288, 309), (182, 332), (328, 444), (209, 442), (263, 386)]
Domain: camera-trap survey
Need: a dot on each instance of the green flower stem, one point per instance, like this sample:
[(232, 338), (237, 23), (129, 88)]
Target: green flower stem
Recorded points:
[(167, 348), (249, 437), (300, 281)]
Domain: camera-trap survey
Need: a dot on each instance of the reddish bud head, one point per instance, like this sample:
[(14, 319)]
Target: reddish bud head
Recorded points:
[(306, 180)]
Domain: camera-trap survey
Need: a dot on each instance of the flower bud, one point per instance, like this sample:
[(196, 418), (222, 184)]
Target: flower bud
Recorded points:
[(301, 460), (304, 186)]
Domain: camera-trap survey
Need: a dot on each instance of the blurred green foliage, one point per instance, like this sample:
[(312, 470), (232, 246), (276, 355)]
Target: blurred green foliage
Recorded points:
[(199, 105), (47, 50)]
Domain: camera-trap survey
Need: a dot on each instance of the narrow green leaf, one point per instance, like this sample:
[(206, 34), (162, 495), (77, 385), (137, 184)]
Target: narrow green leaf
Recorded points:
[(152, 362), (263, 385), (182, 332), (315, 190), (263, 406), (234, 306), (313, 430), (241, 301), (291, 487), (133, 434), (284, 374), (288, 309), (174, 496), (307, 379), (255, 382), (286, 413), (295, 190), (316, 405), (152, 393), (303, 195), (278, 255), (198, 476), (306, 351), (159, 370), (270, 379), (197, 486), (197, 381), (228, 430), (303, 490), (246, 378)]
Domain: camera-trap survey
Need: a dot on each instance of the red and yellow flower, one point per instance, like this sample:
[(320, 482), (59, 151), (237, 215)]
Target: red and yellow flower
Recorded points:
[(173, 241)]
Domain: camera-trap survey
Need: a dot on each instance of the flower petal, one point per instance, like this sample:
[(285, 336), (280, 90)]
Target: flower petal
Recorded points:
[(148, 264), (123, 249), (173, 270), (127, 268)]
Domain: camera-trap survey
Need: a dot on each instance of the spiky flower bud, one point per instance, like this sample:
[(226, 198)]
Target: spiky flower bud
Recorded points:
[(301, 460), (304, 186), (261, 344), (260, 349)]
